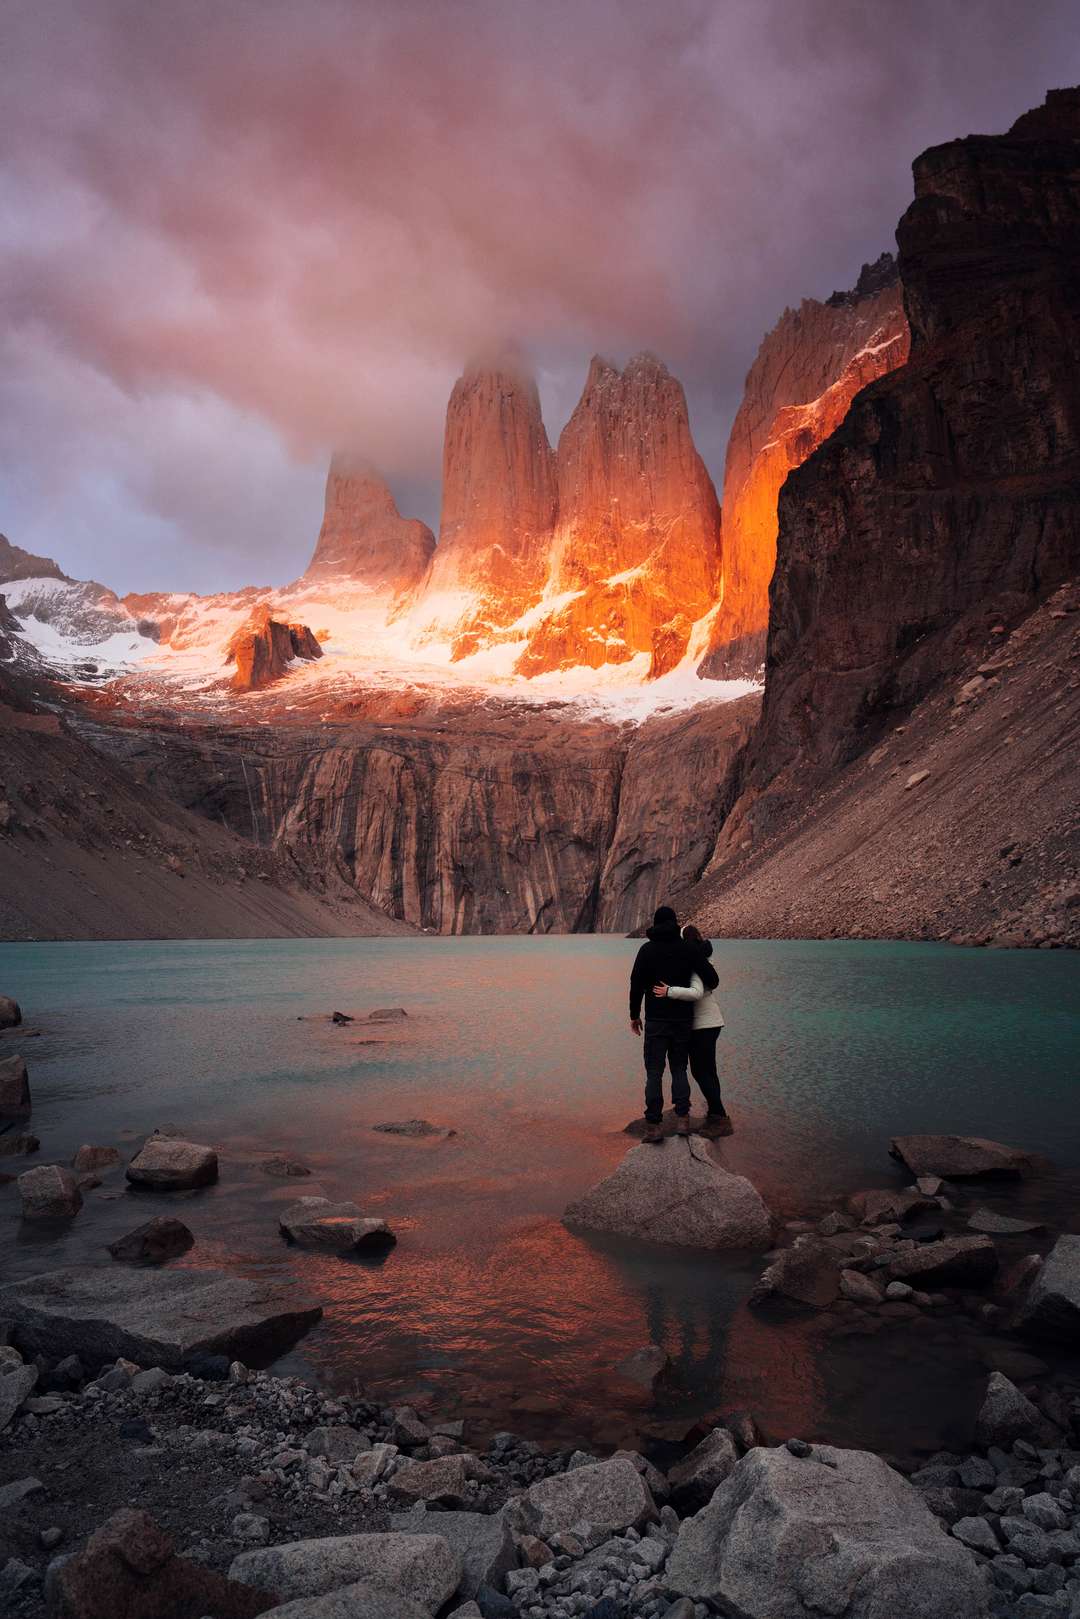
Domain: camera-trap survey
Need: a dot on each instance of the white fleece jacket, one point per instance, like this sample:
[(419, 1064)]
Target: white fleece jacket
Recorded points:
[(707, 1013)]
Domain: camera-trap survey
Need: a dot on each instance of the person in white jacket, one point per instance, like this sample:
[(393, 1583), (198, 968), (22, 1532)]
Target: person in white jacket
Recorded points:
[(708, 1022)]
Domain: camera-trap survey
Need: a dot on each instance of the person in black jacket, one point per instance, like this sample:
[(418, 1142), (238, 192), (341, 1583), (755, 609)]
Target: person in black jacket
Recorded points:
[(664, 958)]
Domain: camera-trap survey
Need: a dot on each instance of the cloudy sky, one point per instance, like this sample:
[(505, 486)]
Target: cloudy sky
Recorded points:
[(234, 233)]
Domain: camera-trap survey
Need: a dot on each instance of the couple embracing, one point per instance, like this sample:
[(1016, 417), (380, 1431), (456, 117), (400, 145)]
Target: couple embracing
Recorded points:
[(674, 977)]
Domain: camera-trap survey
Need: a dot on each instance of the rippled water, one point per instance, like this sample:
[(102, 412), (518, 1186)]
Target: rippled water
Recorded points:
[(521, 1045)]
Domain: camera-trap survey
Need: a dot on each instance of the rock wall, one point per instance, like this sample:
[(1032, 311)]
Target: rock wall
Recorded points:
[(364, 539), (948, 501), (264, 648), (798, 391)]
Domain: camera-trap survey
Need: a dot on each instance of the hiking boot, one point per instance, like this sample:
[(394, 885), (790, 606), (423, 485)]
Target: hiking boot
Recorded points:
[(682, 1124), (716, 1126), (654, 1132)]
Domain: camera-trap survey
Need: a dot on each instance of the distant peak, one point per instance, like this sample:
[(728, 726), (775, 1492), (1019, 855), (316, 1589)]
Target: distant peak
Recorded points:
[(884, 272)]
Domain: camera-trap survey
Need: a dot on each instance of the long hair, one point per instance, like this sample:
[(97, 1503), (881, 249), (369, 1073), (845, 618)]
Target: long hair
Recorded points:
[(691, 934)]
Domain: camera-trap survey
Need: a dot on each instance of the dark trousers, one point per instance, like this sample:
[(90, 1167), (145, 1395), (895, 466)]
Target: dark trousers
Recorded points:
[(667, 1040), (703, 1067)]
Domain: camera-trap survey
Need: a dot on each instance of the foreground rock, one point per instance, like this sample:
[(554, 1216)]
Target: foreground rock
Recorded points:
[(834, 1532), (694, 1479), (1052, 1306), (14, 1089), (167, 1163), (359, 1601), (129, 1570), (675, 1193), (154, 1318), (424, 1568), (316, 1222), (952, 1262), (612, 1493), (1007, 1415), (154, 1243), (483, 1541), (16, 1385), (960, 1157), (10, 1013), (49, 1192)]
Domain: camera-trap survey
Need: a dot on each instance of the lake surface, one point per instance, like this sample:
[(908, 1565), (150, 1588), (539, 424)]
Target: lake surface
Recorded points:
[(488, 1305)]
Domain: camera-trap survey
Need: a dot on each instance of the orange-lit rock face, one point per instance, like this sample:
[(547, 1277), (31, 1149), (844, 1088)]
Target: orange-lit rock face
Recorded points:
[(364, 538), (264, 647), (498, 510), (808, 370), (636, 551)]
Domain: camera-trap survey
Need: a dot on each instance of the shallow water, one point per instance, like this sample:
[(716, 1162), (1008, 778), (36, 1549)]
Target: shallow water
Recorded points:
[(521, 1045)]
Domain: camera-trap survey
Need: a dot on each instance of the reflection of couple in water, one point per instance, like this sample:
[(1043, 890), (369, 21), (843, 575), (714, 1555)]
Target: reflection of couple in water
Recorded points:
[(672, 973)]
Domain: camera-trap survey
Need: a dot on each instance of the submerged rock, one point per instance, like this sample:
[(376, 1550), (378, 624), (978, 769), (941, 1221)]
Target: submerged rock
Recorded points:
[(10, 1012), (316, 1222), (791, 1536), (160, 1239), (49, 1192), (154, 1317), (677, 1193), (18, 1146), (424, 1568), (808, 1274), (646, 1366), (14, 1089), (960, 1157), (88, 1160), (1001, 1225), (1052, 1306), (168, 1163), (412, 1127), (283, 1168)]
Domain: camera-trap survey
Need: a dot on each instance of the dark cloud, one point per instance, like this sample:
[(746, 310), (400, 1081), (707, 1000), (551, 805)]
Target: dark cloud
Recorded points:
[(235, 234)]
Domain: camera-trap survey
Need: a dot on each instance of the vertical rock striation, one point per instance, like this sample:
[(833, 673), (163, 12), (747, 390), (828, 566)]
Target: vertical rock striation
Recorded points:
[(798, 390), (636, 552), (364, 539), (949, 498), (498, 510)]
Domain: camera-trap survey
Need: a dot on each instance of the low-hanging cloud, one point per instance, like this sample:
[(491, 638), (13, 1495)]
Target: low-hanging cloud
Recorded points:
[(238, 232)]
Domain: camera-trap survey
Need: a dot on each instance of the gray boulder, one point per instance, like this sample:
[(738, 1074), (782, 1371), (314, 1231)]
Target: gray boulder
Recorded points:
[(154, 1317), (424, 1568), (16, 1385), (1051, 1308), (612, 1493), (960, 1157), (167, 1163), (807, 1274), (693, 1480), (483, 1541), (153, 1243), (675, 1193), (443, 1480), (360, 1601), (952, 1262), (1006, 1415), (316, 1222), (10, 1012), (837, 1532), (49, 1192), (14, 1089)]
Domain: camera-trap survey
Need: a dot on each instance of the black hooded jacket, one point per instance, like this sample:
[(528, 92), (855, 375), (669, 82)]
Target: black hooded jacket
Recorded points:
[(666, 958)]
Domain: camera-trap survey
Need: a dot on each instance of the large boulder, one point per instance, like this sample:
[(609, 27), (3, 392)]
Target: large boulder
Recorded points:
[(1007, 1415), (1051, 1308), (359, 1601), (129, 1569), (423, 1567), (806, 1274), (154, 1317), (675, 1192), (444, 1480), (49, 1192), (483, 1541), (837, 1532), (316, 1222), (693, 1480), (167, 1164), (960, 1157), (14, 1089), (612, 1493), (952, 1262), (158, 1240), (10, 1012)]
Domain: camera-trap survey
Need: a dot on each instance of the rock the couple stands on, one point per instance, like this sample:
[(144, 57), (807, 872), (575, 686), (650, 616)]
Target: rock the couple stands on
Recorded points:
[(673, 976)]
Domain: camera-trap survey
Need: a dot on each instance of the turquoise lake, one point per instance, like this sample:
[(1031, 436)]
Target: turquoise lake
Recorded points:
[(488, 1305)]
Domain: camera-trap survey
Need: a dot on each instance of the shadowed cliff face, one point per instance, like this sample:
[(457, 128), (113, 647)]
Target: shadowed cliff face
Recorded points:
[(950, 496), (798, 390)]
